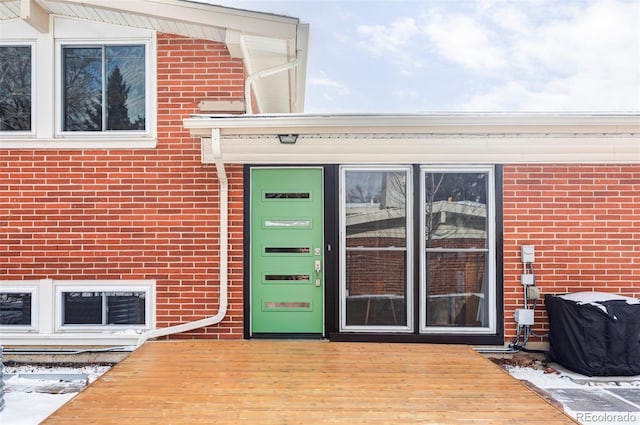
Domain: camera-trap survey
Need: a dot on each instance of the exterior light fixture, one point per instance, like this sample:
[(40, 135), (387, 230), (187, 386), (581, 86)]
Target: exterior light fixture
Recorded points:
[(288, 139)]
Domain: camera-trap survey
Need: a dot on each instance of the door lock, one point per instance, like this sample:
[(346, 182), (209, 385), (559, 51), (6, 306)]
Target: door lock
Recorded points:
[(317, 265)]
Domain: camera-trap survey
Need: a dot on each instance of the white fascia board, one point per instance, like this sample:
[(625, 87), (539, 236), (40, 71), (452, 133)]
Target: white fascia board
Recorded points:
[(244, 21), (418, 123), (372, 149), (299, 73)]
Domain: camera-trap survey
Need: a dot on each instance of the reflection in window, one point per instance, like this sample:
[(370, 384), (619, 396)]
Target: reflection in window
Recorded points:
[(15, 88), (456, 243), (375, 207), (375, 280), (15, 308), (104, 88), (456, 210), (455, 289), (103, 308)]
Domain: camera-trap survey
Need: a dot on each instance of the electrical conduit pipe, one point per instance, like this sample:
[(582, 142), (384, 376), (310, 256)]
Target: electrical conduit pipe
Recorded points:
[(223, 183)]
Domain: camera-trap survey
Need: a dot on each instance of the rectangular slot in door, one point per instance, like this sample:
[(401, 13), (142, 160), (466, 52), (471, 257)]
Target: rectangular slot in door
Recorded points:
[(287, 195), (305, 224), (287, 250), (289, 278), (286, 306)]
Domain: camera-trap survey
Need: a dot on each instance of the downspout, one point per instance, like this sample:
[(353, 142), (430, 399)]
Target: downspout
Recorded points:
[(224, 253), (265, 73)]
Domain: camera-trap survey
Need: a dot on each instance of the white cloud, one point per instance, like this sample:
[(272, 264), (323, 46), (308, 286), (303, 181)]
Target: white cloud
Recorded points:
[(559, 56), (393, 43), (330, 88), (466, 41), (405, 93), (381, 39), (522, 56)]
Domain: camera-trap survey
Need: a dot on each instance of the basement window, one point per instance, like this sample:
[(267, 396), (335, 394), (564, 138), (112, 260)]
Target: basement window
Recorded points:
[(18, 308)]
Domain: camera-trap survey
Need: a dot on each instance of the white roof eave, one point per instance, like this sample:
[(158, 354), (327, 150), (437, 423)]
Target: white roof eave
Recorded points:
[(198, 20), (431, 138), (451, 123)]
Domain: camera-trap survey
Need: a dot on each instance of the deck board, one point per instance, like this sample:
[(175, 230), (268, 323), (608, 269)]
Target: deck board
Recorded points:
[(305, 382)]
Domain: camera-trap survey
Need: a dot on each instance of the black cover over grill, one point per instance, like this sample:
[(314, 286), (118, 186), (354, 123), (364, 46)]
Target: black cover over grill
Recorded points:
[(589, 340)]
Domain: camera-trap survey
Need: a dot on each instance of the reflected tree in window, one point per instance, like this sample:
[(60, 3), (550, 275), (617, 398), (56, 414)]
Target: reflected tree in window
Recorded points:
[(15, 88), (456, 243), (455, 203), (375, 229), (82, 89), (104, 88)]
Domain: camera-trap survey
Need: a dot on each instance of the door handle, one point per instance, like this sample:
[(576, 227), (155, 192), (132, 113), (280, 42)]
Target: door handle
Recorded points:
[(317, 265)]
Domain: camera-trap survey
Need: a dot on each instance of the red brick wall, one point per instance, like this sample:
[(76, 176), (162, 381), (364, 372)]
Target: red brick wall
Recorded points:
[(584, 221), (134, 214)]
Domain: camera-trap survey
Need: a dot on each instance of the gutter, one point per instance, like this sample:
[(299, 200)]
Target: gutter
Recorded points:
[(224, 254), (265, 73)]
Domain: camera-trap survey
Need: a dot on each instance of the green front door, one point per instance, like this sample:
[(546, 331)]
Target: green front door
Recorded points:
[(287, 268)]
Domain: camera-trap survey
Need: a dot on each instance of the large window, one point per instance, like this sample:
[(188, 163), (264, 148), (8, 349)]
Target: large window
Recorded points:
[(457, 282), (103, 88), (453, 226), (16, 89), (376, 239), (62, 90)]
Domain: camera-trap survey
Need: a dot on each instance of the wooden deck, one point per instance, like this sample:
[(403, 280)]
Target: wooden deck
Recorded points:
[(306, 382)]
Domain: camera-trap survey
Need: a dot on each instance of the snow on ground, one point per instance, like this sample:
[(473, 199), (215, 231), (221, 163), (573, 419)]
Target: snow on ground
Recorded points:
[(32, 393), (600, 400), (30, 408)]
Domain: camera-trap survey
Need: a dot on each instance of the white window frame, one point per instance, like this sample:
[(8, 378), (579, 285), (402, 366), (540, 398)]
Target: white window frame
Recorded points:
[(149, 89), (148, 287), (46, 89), (34, 101), (491, 252), (408, 170), (17, 288)]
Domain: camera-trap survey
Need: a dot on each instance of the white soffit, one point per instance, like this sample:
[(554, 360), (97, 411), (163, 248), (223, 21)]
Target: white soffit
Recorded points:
[(263, 40), (453, 138)]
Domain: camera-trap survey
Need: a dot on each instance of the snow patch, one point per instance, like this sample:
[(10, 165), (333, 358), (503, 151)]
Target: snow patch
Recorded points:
[(597, 298)]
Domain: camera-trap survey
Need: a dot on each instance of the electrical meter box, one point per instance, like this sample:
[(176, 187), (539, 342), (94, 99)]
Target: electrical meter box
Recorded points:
[(527, 253), (524, 317)]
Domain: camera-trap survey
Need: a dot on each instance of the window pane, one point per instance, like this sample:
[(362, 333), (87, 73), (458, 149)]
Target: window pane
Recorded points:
[(125, 308), (82, 308), (125, 87), (456, 210), (82, 68), (375, 208), (456, 289), (15, 88), (376, 288), (15, 308)]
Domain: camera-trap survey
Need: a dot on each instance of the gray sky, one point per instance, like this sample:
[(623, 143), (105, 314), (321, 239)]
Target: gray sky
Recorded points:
[(468, 55)]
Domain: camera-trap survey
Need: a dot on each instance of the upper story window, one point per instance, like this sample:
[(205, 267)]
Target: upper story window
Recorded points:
[(103, 88), (82, 85), (16, 87)]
